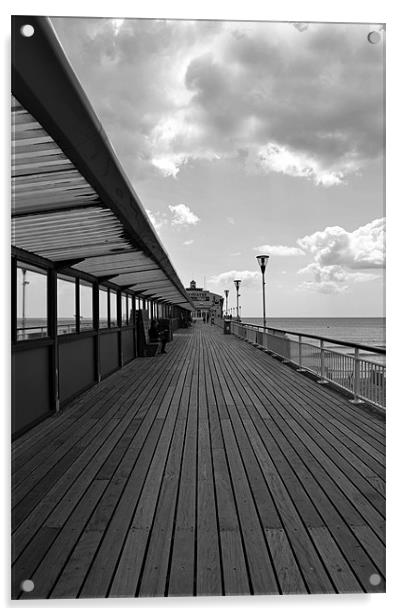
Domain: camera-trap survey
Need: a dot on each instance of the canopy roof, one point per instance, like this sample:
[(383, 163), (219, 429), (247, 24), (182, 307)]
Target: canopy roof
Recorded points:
[(72, 202)]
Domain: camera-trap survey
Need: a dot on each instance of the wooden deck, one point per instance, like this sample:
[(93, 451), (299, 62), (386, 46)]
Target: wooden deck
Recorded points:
[(211, 470)]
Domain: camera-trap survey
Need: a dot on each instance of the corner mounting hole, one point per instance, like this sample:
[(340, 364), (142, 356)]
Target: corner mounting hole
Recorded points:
[(27, 30), (375, 579), (374, 37), (27, 585)]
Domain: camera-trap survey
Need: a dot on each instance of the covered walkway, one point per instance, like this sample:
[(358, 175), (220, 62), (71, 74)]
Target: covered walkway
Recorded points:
[(214, 469)]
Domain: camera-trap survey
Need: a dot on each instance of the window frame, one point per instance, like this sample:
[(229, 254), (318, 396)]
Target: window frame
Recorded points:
[(21, 263)]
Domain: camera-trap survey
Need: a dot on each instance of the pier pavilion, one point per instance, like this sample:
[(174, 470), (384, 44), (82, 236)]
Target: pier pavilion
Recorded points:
[(215, 469)]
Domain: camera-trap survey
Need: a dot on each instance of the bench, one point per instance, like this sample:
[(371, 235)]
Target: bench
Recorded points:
[(146, 347), (152, 348)]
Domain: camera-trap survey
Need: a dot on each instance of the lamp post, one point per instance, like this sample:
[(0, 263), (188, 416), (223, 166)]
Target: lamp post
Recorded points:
[(226, 291), (263, 262), (237, 285)]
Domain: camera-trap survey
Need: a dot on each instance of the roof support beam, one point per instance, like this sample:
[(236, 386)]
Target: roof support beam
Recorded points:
[(61, 265)]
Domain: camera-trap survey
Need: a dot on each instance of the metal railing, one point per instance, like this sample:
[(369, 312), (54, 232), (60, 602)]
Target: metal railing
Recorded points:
[(362, 376), (28, 333)]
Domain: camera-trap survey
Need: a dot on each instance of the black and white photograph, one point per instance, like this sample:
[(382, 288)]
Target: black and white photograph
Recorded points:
[(197, 307)]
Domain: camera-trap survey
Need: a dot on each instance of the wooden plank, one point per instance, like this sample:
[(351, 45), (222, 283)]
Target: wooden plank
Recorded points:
[(234, 567), (154, 580), (287, 570), (60, 459), (261, 572), (337, 566), (208, 569), (362, 564), (216, 470), (49, 501), (126, 479), (125, 525), (364, 498), (328, 403), (331, 450), (46, 574), (128, 572), (286, 567), (181, 574)]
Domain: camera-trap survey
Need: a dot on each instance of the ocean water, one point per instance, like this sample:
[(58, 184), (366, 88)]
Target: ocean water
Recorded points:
[(369, 331)]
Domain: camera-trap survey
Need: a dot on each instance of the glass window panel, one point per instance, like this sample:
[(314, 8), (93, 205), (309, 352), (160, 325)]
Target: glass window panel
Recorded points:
[(65, 305), (103, 317), (32, 321), (86, 306), (131, 309), (113, 309), (123, 309)]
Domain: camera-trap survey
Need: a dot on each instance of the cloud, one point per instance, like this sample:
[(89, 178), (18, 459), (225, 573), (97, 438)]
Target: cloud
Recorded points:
[(338, 254), (280, 251), (182, 215), (247, 277), (230, 220), (306, 106), (360, 249), (157, 219), (274, 157), (332, 279), (188, 242)]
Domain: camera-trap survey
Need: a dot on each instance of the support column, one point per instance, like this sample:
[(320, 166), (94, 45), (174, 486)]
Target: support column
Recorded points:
[(52, 331)]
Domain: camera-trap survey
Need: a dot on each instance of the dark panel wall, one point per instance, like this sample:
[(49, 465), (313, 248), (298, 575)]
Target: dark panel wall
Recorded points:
[(76, 366), (109, 353), (127, 343), (30, 387)]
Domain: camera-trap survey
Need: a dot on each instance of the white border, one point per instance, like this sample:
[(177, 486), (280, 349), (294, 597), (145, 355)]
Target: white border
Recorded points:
[(287, 10)]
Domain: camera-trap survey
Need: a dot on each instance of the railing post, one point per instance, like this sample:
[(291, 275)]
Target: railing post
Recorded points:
[(322, 363), (356, 379), (300, 368)]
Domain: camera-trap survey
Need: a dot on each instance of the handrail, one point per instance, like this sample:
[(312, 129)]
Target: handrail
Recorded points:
[(364, 347), (360, 376)]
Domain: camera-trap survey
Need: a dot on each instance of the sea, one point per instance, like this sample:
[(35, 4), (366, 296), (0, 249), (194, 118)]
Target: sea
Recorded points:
[(360, 330)]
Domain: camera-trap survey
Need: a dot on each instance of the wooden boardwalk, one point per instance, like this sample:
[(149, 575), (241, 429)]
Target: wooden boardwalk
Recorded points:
[(211, 470)]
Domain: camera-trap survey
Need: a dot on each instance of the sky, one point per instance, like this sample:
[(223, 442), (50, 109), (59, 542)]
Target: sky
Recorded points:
[(247, 138)]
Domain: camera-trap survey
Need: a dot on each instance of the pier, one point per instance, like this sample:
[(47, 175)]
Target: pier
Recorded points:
[(213, 470)]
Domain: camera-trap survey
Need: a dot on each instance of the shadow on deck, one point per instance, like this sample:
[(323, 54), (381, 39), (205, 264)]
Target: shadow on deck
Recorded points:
[(211, 470)]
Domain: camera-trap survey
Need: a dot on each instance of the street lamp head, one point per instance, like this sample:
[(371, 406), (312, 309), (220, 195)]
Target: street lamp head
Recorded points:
[(237, 283), (262, 262)]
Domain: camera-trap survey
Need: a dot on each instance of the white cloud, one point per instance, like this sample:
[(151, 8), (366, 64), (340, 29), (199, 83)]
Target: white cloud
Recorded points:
[(331, 279), (280, 251), (230, 220), (360, 249), (247, 277), (182, 215), (169, 165), (338, 254), (157, 219), (188, 242), (274, 157), (308, 106)]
